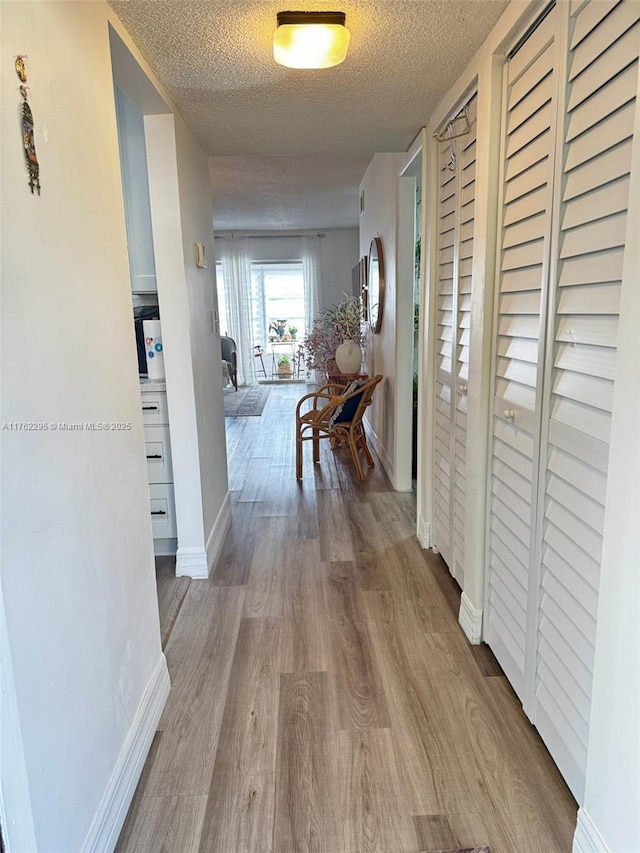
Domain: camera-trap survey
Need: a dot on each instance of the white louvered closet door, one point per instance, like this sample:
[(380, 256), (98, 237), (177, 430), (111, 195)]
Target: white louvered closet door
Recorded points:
[(455, 250), (530, 92), (592, 194), (467, 193)]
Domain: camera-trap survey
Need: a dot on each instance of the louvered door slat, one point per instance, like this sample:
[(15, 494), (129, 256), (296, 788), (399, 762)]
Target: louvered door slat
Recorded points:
[(581, 348)]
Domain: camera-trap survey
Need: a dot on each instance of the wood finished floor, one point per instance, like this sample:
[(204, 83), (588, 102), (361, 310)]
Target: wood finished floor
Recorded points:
[(324, 698)]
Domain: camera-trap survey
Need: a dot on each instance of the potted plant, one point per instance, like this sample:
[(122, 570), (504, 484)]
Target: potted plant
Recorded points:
[(338, 325), (284, 365), (293, 331)]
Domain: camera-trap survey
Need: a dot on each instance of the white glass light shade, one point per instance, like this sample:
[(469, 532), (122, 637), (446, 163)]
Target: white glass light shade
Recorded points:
[(310, 44)]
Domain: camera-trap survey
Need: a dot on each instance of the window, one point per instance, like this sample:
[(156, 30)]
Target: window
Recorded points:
[(222, 301), (277, 293)]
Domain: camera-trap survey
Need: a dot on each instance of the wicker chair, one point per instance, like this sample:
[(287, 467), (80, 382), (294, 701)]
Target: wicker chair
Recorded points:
[(336, 413)]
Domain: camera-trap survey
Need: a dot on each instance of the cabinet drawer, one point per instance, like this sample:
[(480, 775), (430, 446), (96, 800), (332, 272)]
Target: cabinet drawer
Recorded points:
[(163, 511), (154, 408), (158, 450)]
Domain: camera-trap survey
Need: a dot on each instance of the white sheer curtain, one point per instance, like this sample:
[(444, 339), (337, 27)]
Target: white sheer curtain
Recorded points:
[(312, 278), (236, 272)]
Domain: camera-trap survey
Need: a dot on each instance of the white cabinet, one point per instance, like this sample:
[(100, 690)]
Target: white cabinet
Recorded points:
[(569, 117), (135, 188), (159, 465)]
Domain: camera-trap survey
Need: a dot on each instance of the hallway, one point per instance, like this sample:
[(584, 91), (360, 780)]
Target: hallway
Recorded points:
[(323, 695)]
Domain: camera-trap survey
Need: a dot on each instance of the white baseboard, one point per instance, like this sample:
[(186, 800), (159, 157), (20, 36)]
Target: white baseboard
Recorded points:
[(587, 839), (192, 563), (381, 452), (424, 532), (218, 532), (470, 618), (112, 811)]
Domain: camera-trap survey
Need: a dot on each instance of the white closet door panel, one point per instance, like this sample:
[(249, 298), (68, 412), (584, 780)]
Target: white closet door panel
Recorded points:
[(603, 267), (533, 228), (518, 348), (528, 131), (588, 360), (602, 80), (522, 256), (532, 48), (594, 236), (518, 327), (587, 419), (522, 279), (568, 576), (620, 19), (510, 482), (609, 133), (526, 206), (504, 558), (455, 212), (579, 329), (518, 528), (560, 711), (587, 19), (527, 181), (582, 388), (553, 668), (529, 81), (561, 518), (608, 65), (526, 119), (446, 255), (606, 101), (594, 173), (600, 203), (579, 445), (503, 491), (537, 150), (569, 636), (551, 636), (468, 155)]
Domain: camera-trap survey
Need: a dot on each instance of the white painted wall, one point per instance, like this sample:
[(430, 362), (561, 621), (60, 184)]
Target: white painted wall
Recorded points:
[(380, 186), (77, 578), (196, 218), (338, 256), (180, 216)]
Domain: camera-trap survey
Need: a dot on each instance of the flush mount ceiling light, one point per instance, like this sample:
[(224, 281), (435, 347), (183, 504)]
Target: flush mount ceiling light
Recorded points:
[(310, 39)]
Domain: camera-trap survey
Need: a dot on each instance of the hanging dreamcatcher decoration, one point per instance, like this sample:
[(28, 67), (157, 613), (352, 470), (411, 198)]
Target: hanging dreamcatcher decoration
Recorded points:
[(27, 129)]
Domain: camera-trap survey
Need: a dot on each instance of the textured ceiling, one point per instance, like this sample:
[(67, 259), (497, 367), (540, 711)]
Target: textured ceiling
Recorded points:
[(215, 59)]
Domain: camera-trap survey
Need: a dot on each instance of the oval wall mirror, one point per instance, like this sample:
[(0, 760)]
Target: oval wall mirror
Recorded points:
[(376, 285)]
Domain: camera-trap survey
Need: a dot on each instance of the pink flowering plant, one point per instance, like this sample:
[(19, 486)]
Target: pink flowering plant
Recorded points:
[(340, 323)]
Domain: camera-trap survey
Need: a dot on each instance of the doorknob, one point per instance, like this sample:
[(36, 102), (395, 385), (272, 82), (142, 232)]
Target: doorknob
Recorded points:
[(462, 389), (509, 414)]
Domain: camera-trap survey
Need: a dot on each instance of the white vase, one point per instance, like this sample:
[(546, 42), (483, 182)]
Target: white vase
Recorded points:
[(349, 357)]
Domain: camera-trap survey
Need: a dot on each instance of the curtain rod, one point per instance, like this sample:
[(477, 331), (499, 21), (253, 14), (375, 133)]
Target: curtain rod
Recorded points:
[(250, 234)]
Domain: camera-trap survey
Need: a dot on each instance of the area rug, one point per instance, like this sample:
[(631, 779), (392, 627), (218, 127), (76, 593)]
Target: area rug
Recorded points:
[(246, 402)]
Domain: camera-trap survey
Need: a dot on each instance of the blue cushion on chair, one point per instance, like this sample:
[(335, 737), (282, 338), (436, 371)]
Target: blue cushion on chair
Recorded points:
[(344, 413)]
